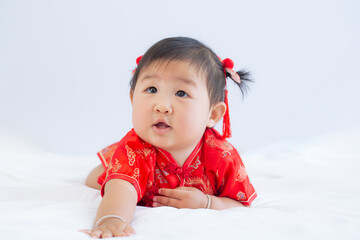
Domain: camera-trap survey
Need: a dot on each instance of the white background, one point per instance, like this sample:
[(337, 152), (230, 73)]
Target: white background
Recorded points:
[(65, 66)]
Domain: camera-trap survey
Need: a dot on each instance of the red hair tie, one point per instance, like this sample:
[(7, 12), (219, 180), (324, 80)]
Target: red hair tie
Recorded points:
[(228, 66), (137, 62)]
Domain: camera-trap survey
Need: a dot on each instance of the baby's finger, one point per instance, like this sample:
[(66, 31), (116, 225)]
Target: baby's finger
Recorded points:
[(173, 193), (107, 234), (87, 231), (123, 233), (183, 188), (120, 234), (167, 201), (129, 229), (96, 233), (186, 188), (157, 204)]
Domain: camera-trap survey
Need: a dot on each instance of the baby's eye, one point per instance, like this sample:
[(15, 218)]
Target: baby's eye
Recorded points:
[(151, 90), (181, 94)]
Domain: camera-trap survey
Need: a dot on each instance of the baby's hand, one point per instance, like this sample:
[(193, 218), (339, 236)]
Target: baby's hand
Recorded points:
[(110, 227), (181, 197)]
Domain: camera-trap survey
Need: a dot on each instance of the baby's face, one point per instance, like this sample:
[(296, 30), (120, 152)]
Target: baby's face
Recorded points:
[(171, 106)]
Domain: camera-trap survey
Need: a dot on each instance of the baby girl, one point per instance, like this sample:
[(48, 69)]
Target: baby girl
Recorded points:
[(173, 156)]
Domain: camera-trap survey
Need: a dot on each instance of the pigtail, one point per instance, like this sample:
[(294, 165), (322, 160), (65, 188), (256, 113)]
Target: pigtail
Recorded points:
[(245, 77), (240, 78)]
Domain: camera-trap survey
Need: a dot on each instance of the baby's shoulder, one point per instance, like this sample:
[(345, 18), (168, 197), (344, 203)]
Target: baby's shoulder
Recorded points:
[(130, 141), (217, 149)]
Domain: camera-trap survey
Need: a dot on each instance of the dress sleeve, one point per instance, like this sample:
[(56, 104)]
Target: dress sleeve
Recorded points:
[(130, 161), (233, 181), (105, 156)]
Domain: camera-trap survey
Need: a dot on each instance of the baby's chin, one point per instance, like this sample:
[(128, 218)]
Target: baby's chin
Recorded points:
[(160, 142), (170, 141), (153, 139)]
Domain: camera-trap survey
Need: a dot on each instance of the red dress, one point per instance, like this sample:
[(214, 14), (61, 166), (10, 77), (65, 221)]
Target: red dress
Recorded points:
[(214, 167)]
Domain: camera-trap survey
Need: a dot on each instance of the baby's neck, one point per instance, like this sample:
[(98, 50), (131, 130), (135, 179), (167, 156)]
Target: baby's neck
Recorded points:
[(181, 156)]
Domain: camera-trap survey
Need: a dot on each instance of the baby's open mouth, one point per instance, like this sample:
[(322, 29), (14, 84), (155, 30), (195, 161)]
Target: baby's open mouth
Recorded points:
[(161, 125)]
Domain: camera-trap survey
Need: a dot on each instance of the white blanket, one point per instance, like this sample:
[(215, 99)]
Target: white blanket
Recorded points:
[(307, 189)]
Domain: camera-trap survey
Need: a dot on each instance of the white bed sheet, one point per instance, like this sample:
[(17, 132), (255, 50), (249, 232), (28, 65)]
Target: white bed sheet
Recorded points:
[(307, 189)]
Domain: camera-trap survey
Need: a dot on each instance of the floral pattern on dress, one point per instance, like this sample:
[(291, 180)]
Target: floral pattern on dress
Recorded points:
[(240, 196), (159, 176), (114, 166), (225, 146), (241, 174), (136, 173), (146, 152), (131, 155), (196, 163), (201, 183), (210, 141)]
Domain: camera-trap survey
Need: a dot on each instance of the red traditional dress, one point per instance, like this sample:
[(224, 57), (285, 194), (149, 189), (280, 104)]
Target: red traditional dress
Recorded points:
[(214, 167)]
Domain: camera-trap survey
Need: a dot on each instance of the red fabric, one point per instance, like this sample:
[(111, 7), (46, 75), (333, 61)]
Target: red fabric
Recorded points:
[(214, 167)]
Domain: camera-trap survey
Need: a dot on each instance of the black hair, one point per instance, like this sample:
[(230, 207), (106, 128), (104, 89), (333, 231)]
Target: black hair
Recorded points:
[(189, 49)]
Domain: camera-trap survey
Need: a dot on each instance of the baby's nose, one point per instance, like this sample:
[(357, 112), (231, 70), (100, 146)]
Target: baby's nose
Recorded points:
[(164, 108)]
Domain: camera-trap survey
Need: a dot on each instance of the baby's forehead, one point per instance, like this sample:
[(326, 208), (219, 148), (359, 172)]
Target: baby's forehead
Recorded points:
[(183, 69)]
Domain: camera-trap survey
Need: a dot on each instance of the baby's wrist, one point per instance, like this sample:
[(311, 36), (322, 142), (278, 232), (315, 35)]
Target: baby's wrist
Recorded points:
[(110, 218)]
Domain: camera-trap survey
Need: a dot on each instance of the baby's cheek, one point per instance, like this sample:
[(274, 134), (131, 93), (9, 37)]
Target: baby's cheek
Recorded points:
[(135, 118), (192, 125), (187, 120), (139, 118)]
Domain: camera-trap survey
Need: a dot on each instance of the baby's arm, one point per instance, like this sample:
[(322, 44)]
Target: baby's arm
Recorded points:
[(223, 203), (120, 199), (189, 197)]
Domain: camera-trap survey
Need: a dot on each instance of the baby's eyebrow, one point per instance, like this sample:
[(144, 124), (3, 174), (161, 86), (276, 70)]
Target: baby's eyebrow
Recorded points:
[(148, 77), (187, 81), (183, 79)]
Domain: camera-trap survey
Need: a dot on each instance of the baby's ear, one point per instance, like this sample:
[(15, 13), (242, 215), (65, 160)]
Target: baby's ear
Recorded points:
[(131, 96), (217, 111)]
